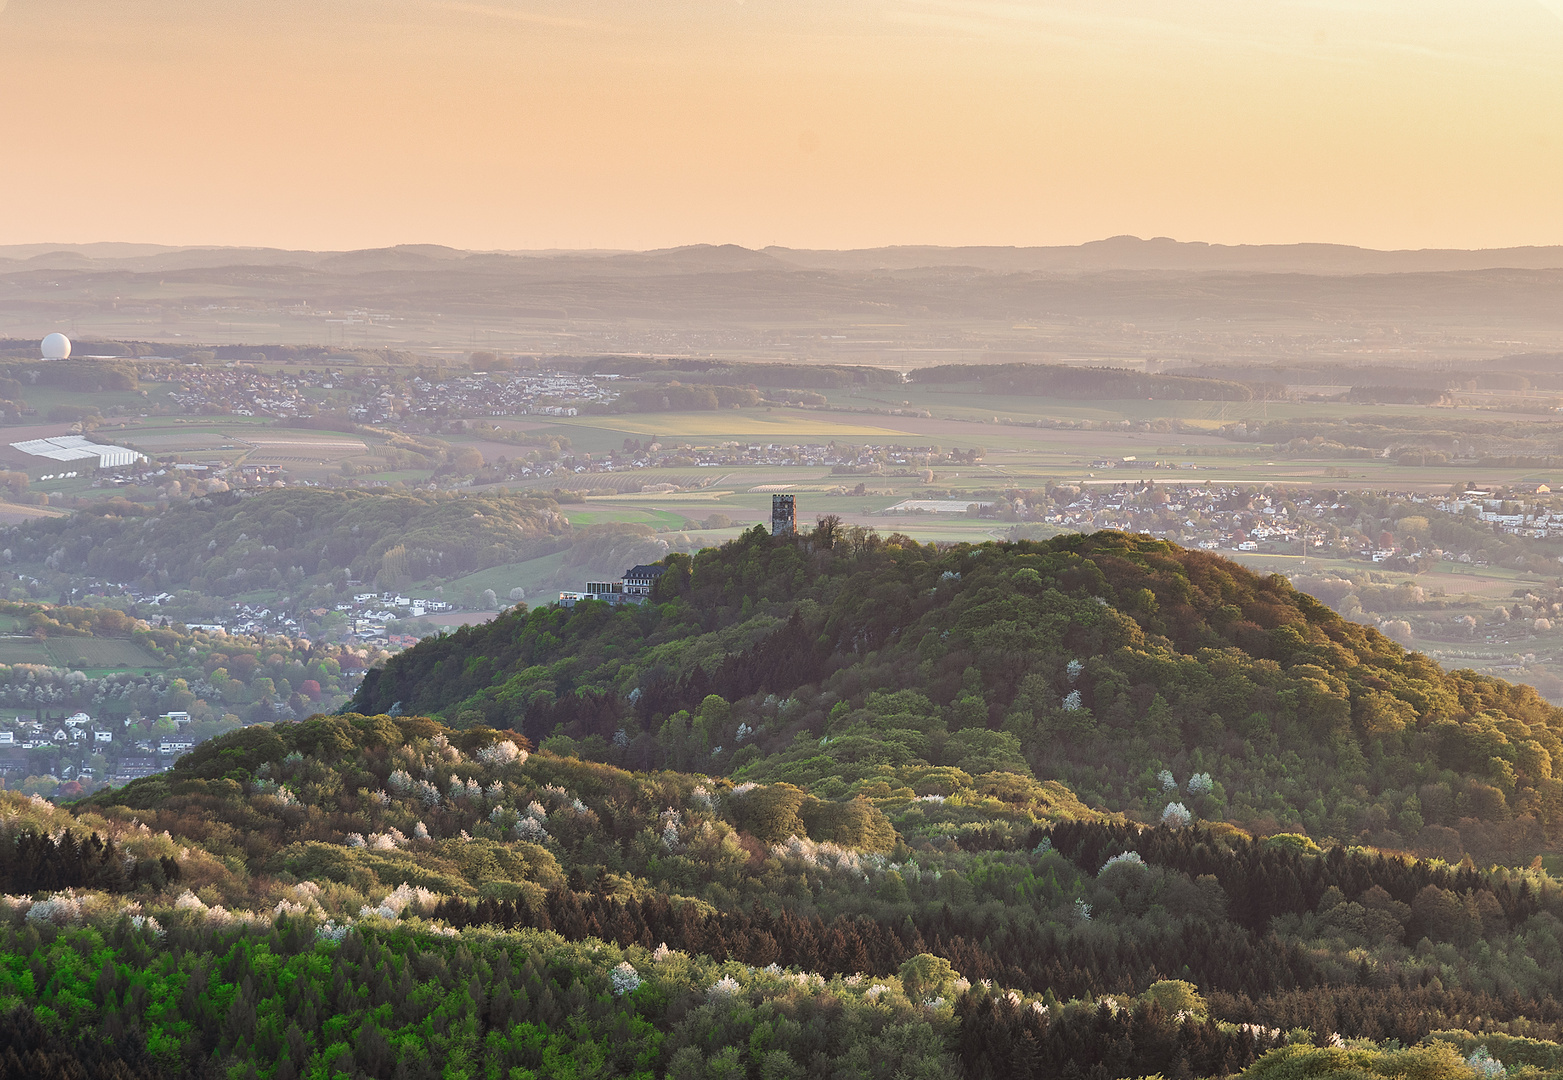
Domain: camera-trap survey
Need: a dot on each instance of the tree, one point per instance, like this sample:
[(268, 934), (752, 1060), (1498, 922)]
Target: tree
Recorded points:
[(927, 976), (710, 720), (825, 530), (1177, 996), (770, 812)]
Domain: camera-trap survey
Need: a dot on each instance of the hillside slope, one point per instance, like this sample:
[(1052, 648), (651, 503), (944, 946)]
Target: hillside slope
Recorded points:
[(1138, 673), (386, 897)]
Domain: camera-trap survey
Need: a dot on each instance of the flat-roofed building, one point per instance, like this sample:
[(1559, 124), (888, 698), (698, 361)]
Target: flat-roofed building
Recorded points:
[(68, 449)]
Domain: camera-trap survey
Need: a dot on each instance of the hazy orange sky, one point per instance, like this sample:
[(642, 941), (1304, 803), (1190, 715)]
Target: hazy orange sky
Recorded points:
[(809, 123)]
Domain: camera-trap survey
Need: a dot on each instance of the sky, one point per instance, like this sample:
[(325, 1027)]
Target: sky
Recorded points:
[(534, 124)]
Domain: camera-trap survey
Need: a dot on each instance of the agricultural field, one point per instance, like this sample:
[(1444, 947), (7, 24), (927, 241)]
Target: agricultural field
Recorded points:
[(23, 650), (95, 656), (759, 425), (627, 482), (11, 513), (302, 452), (1026, 455), (946, 415), (240, 440)]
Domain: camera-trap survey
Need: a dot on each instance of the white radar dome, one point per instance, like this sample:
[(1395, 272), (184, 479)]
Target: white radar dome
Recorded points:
[(56, 347)]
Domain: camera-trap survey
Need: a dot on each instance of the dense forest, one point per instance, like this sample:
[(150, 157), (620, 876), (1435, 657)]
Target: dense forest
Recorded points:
[(376, 896), (1149, 679)]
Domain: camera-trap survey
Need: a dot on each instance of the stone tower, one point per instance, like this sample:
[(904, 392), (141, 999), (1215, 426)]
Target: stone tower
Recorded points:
[(784, 516)]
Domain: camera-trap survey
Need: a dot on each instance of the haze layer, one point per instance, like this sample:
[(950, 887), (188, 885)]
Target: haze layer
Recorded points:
[(529, 124)]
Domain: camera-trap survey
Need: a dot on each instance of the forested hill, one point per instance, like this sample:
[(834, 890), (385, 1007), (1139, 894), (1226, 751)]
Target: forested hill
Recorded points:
[(382, 897), (232, 543), (1144, 676)]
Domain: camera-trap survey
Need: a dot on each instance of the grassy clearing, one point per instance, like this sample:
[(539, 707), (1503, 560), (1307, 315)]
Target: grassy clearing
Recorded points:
[(160, 426), (44, 398), (527, 575), (106, 654), (628, 514), (76, 486)]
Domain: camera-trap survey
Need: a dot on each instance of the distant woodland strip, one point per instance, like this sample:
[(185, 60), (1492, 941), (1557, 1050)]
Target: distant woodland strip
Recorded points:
[(1057, 380)]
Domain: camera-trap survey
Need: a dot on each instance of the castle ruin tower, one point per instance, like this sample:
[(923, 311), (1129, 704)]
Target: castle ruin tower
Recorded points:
[(784, 516)]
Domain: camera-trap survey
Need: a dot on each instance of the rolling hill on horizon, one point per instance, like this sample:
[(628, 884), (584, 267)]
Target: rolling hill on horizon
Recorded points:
[(905, 305)]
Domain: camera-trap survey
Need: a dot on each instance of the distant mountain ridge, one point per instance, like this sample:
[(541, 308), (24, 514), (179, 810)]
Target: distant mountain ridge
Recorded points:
[(1163, 253), (1113, 253)]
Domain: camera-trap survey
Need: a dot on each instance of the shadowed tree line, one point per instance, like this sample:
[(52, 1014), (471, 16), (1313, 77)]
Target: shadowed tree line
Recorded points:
[(1001, 1039), (30, 863), (1263, 879)]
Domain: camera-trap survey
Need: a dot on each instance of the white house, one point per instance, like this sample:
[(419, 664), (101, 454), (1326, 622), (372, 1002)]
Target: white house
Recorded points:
[(102, 736)]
